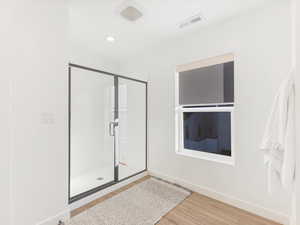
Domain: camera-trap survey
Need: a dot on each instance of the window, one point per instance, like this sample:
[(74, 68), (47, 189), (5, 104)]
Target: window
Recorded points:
[(204, 109)]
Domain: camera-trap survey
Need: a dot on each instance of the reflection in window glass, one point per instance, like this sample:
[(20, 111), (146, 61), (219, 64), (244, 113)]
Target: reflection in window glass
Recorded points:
[(207, 85), (208, 132)]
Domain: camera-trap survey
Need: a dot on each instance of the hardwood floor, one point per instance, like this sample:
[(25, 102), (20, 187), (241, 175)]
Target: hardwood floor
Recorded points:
[(195, 210), (201, 210)]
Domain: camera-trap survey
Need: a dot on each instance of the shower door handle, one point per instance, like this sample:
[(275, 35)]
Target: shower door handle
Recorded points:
[(112, 126)]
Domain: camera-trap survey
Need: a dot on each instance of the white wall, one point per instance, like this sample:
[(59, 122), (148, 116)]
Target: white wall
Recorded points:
[(38, 70), (5, 149), (36, 64), (297, 27), (90, 58), (261, 43), (5, 24)]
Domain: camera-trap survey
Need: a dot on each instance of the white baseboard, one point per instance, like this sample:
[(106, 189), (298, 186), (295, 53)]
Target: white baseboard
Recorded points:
[(250, 207), (54, 220)]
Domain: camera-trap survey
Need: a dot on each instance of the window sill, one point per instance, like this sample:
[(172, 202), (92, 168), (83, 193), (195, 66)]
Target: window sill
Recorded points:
[(229, 160)]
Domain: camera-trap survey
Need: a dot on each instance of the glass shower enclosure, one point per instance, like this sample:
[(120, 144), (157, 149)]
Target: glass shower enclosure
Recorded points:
[(107, 129)]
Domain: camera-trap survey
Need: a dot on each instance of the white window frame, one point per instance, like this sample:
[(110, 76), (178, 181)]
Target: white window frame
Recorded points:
[(230, 160), (218, 107)]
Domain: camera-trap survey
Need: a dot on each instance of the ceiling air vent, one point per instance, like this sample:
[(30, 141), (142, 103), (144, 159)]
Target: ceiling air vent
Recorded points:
[(191, 20), (131, 13)]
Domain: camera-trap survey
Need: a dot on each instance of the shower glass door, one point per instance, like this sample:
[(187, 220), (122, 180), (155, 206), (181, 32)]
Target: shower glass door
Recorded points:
[(107, 129), (92, 130), (132, 99)]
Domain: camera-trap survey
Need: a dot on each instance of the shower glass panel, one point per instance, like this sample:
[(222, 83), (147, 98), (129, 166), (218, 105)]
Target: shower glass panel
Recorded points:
[(92, 155), (132, 127)]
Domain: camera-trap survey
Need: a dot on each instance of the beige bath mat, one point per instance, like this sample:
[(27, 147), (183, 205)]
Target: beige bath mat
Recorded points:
[(143, 204)]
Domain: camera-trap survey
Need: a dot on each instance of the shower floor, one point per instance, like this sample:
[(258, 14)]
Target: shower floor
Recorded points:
[(98, 177)]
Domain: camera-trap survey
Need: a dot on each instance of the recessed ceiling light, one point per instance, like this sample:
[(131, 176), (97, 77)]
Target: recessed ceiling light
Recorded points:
[(110, 39)]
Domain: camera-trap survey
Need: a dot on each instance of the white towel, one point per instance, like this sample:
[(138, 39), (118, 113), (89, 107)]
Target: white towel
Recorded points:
[(278, 142)]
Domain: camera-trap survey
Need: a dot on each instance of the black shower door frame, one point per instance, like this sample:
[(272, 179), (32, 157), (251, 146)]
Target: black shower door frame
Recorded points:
[(116, 116)]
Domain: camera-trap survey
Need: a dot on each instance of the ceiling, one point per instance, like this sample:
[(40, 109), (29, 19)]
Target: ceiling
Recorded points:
[(93, 20)]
